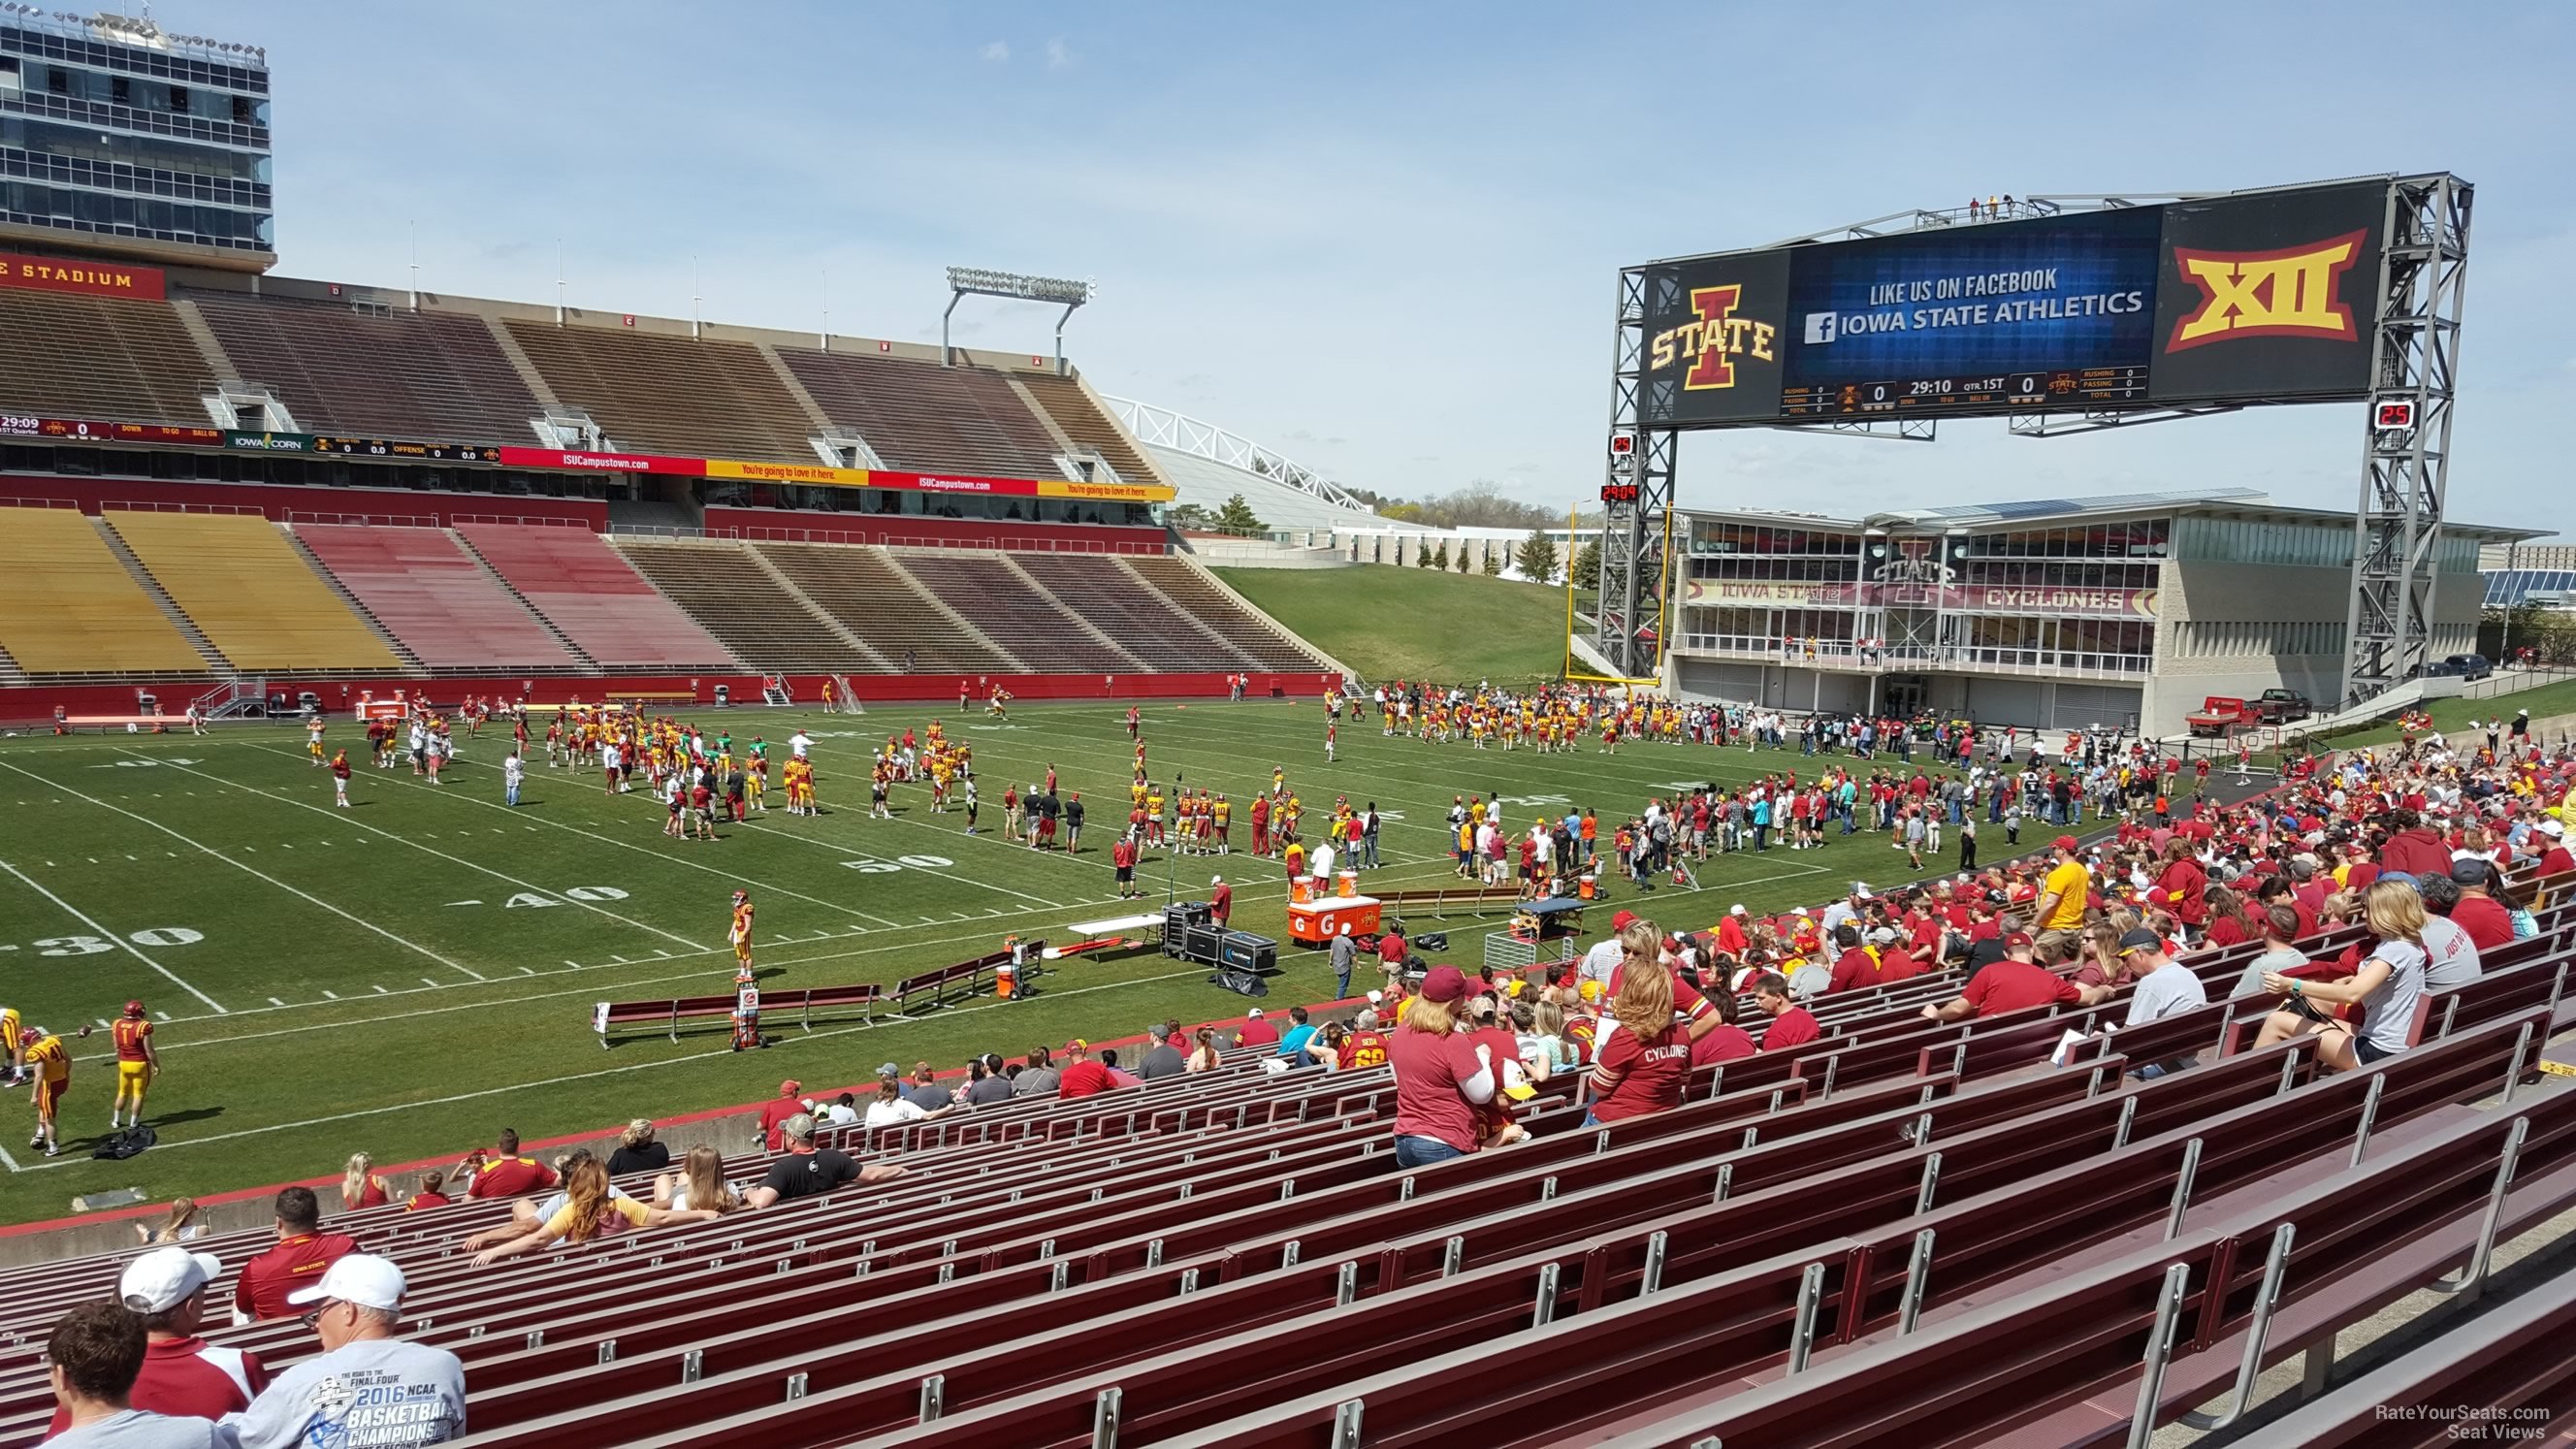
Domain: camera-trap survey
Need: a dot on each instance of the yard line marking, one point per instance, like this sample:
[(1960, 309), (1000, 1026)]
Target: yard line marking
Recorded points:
[(165, 1016), (129, 947), (11, 1161), (432, 985), (789, 1043), (617, 960), (380, 991), (272, 880), (622, 845), (941, 874), (273, 1001), (416, 845), (568, 961), (332, 994)]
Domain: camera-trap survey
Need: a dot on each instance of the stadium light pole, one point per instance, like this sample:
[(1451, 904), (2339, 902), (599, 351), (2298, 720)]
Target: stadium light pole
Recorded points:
[(964, 282)]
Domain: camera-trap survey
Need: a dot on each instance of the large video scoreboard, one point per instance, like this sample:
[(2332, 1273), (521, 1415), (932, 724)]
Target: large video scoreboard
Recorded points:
[(2258, 296)]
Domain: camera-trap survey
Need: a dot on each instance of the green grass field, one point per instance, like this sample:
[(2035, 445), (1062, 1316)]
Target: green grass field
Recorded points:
[(1455, 626), (408, 975)]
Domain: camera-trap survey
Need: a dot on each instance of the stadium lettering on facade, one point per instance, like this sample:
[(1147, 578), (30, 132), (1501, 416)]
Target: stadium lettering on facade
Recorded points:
[(2284, 293), (1715, 340), (43, 275)]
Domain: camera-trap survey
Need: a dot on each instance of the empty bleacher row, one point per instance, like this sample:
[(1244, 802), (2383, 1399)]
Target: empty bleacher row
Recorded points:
[(608, 611), (241, 582), (864, 591), (446, 609), (985, 590), (930, 419), (366, 368), (526, 596), (67, 605), (100, 357), (417, 375), (1902, 1233), (757, 615), (1195, 592)]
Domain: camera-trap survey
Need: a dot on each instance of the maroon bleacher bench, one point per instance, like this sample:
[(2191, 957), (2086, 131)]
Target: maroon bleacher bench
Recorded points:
[(608, 1017)]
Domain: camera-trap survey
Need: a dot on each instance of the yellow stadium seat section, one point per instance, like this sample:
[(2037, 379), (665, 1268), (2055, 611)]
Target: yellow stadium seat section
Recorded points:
[(67, 605), (239, 580)]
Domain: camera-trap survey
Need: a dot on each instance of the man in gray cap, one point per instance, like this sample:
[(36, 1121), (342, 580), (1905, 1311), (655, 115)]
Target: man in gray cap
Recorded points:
[(1161, 1058)]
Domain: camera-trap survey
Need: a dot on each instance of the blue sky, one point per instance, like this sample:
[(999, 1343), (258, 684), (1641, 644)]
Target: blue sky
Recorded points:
[(1384, 238)]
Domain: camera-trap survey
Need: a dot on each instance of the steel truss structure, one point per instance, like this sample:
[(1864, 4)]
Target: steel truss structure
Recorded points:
[(2405, 471), (1164, 428), (1633, 568)]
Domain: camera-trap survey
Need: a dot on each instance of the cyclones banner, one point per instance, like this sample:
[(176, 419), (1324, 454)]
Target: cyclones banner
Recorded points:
[(2054, 599)]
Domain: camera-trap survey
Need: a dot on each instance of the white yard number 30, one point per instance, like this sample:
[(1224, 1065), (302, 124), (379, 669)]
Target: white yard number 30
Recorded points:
[(92, 945)]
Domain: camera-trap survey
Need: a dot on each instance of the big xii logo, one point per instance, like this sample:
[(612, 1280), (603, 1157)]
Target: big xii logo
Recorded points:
[(1714, 340), (2284, 293)]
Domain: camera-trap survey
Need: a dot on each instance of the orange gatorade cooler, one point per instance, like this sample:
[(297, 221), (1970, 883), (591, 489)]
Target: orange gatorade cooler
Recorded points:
[(1350, 883), (1005, 977), (1301, 890)]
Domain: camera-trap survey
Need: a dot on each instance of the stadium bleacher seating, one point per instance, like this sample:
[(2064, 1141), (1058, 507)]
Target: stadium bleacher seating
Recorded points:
[(68, 606), (242, 583), (921, 416), (135, 361), (986, 592), (864, 592), (1143, 622), (722, 586), (402, 374), (430, 595), (654, 393), (587, 589), (1070, 404), (1823, 1243), (1192, 593)]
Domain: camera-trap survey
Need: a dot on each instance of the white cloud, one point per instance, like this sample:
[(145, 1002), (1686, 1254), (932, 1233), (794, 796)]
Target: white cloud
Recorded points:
[(998, 52), (1058, 54)]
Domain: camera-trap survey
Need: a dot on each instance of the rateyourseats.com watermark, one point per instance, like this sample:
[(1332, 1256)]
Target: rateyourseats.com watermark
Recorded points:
[(2475, 1422)]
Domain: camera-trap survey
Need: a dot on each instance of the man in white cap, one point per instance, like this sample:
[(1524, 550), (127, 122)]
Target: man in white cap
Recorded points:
[(366, 1386), (183, 1375)]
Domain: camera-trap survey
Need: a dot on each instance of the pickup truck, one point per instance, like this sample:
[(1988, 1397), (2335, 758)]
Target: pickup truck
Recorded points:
[(2279, 706), (2220, 713)]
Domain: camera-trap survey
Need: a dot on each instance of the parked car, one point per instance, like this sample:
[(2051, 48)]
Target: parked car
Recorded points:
[(2470, 667)]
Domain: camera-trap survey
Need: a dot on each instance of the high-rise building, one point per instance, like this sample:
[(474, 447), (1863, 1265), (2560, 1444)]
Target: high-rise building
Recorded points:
[(119, 139)]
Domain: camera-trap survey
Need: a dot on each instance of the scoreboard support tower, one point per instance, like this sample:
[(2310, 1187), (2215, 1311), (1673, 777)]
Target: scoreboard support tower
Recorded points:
[(1634, 571), (2406, 434)]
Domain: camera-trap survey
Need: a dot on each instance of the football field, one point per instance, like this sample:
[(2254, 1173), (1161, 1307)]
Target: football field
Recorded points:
[(408, 975)]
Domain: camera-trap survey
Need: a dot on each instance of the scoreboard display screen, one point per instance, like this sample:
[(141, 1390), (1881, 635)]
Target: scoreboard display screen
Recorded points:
[(2054, 310), (2260, 296)]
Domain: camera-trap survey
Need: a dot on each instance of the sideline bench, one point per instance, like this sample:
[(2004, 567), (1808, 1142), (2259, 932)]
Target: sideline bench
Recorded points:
[(67, 723), (1468, 900), (607, 1017), (972, 976)]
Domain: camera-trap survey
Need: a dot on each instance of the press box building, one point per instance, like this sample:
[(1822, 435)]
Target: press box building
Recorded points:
[(2121, 611)]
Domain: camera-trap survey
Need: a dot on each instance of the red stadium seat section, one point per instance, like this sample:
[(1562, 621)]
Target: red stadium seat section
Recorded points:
[(608, 611), (435, 598)]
